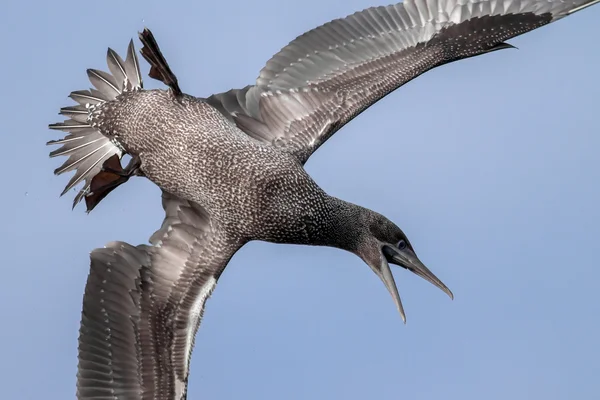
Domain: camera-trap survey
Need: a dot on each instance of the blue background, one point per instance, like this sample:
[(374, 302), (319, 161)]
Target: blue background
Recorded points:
[(495, 178)]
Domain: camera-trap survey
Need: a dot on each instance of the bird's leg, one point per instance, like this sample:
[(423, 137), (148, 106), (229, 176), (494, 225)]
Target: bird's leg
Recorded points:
[(132, 168), (110, 177)]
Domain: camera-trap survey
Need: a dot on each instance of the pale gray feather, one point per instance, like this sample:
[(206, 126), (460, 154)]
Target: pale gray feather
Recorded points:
[(116, 65), (143, 305), (86, 147), (329, 75), (132, 67), (104, 82)]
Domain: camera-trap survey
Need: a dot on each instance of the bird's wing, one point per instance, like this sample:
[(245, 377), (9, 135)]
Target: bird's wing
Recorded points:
[(142, 307), (329, 75)]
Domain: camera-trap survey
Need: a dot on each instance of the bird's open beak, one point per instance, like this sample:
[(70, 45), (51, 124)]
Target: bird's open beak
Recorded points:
[(406, 259)]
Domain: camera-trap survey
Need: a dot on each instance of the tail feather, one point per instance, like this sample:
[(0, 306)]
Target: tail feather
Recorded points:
[(132, 67), (104, 82), (93, 160), (86, 148), (116, 65), (85, 97), (76, 113), (75, 143), (70, 126)]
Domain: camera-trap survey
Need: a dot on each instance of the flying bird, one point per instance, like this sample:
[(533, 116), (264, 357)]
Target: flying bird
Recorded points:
[(230, 167)]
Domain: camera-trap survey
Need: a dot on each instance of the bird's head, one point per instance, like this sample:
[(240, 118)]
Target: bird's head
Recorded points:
[(382, 243)]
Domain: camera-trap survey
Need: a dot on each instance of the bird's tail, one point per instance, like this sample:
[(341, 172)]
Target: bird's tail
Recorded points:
[(87, 148)]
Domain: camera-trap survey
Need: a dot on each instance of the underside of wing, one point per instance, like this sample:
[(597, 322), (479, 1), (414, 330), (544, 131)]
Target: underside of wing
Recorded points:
[(329, 75), (143, 305), (109, 353)]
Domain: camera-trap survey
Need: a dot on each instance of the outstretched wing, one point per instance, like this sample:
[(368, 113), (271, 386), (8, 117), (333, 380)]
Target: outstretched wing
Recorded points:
[(329, 75), (143, 305)]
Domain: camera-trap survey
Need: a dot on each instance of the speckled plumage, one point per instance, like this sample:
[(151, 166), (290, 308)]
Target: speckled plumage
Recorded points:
[(231, 170), (191, 150)]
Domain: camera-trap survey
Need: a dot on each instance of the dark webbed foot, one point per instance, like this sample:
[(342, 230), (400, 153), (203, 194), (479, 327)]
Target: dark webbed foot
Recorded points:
[(115, 168), (110, 177)]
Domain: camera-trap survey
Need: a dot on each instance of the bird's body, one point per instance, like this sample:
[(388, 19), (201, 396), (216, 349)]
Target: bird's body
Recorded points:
[(250, 189), (231, 168)]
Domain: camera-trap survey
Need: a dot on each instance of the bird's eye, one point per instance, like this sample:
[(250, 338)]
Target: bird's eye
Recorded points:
[(401, 245)]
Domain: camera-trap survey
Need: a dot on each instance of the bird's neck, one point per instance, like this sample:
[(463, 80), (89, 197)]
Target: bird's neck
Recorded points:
[(345, 225)]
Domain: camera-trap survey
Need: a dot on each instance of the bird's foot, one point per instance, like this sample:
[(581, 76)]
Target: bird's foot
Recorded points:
[(114, 167), (109, 178)]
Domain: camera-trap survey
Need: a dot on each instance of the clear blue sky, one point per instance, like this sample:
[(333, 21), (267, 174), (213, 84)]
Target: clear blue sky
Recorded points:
[(496, 180)]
